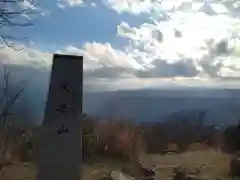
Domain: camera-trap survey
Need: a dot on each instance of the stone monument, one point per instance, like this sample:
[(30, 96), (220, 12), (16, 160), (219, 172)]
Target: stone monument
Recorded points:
[(60, 142)]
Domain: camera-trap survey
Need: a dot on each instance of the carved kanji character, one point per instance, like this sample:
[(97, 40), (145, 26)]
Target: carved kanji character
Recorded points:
[(65, 87), (63, 108), (62, 130)]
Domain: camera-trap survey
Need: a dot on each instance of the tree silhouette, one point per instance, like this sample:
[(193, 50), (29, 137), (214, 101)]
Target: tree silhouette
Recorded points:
[(12, 15), (7, 99)]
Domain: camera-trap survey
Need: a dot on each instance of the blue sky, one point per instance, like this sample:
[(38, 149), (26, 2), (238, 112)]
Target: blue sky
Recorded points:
[(77, 25), (133, 43)]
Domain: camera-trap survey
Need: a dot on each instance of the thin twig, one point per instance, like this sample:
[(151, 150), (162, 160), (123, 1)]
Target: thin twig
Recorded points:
[(13, 100), (7, 17), (8, 102)]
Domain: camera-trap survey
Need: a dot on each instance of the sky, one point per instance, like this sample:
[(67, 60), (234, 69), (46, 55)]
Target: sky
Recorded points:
[(130, 44)]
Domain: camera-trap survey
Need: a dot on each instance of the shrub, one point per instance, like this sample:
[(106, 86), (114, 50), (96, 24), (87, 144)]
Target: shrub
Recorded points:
[(235, 167), (231, 139)]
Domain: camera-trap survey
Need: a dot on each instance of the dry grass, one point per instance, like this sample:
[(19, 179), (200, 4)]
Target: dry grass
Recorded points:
[(22, 171), (213, 164), (118, 139)]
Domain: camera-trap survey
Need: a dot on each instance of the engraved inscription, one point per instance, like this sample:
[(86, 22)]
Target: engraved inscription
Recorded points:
[(65, 87), (62, 130), (62, 108)]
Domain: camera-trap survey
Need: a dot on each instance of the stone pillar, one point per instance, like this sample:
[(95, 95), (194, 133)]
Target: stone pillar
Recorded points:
[(60, 143)]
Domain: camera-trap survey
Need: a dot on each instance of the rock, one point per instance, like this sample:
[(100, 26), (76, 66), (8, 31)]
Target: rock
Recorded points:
[(117, 175), (139, 172), (106, 177), (147, 174), (181, 174)]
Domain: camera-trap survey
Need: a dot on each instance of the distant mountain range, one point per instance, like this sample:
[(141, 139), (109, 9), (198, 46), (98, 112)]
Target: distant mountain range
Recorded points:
[(219, 106)]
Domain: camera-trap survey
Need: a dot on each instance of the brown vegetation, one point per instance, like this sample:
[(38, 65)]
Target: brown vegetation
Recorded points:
[(235, 167), (123, 142)]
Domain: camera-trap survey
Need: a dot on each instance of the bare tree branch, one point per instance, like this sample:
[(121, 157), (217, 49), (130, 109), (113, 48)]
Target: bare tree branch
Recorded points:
[(6, 38), (9, 137), (6, 101), (9, 1), (11, 17)]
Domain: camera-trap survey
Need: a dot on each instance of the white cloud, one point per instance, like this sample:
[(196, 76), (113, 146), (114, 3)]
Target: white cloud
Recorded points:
[(27, 56), (100, 60), (101, 64), (154, 6), (159, 7), (105, 67), (99, 55), (75, 3), (69, 3), (32, 6), (96, 55), (143, 6), (209, 43), (132, 6)]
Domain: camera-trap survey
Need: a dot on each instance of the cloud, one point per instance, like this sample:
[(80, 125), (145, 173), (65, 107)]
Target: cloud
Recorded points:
[(163, 9), (159, 7), (28, 56), (74, 3), (69, 3), (103, 61), (131, 6), (31, 5), (153, 52), (170, 6), (99, 55), (163, 68), (100, 60), (186, 45), (104, 67)]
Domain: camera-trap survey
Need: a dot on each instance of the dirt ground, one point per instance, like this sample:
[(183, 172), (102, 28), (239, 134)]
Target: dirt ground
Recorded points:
[(213, 164)]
